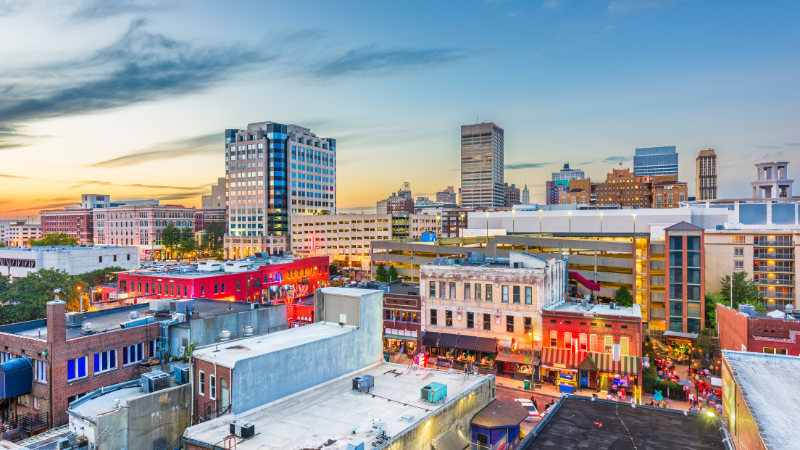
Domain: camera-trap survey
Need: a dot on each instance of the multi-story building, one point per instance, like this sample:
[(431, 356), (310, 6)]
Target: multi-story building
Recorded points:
[(656, 161), (573, 332), (624, 188), (74, 222), (205, 217), (579, 192), (18, 233), (567, 174), (140, 225), (483, 306), (399, 202), (447, 195), (275, 171), (560, 183), (705, 180), (453, 221), (482, 165), (17, 262), (526, 195), (218, 197), (402, 311), (511, 195), (684, 278), (773, 181), (774, 332), (667, 192)]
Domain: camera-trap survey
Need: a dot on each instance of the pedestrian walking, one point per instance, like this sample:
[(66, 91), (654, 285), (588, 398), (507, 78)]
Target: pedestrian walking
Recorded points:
[(691, 398)]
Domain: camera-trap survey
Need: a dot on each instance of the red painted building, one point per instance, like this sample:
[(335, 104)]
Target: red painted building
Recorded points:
[(241, 281), (578, 345), (760, 333), (74, 222), (204, 217)]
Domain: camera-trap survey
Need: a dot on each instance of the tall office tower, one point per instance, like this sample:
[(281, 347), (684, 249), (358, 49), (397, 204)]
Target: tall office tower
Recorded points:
[(655, 161), (275, 171), (526, 196), (560, 183), (705, 181), (482, 165)]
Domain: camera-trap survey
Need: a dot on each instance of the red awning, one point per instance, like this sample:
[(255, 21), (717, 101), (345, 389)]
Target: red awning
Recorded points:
[(561, 357)]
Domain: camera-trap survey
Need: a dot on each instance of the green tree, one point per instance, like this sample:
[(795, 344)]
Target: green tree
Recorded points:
[(2, 244), (168, 237), (381, 274), (711, 308), (744, 291), (392, 275), (215, 234), (27, 296), (100, 277), (333, 269), (623, 297), (54, 239), (187, 243)]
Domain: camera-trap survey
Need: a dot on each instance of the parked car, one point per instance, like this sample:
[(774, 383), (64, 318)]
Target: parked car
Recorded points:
[(533, 414)]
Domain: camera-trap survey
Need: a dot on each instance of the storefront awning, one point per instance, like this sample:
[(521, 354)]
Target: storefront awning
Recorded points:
[(561, 357), (467, 342), (448, 340), (430, 338), (400, 338), (487, 345), (519, 359), (627, 365), (587, 364)]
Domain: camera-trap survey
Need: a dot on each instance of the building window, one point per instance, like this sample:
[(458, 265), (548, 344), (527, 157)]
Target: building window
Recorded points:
[(76, 368), (775, 351), (510, 324), (593, 343), (738, 251), (738, 239), (738, 265), (238, 286), (528, 295), (99, 259), (477, 292), (467, 292), (202, 384), (504, 298), (470, 320), (433, 317), (567, 340), (448, 318), (527, 325), (202, 291), (132, 354), (623, 346), (553, 338), (488, 292), (105, 361), (152, 348), (452, 290), (609, 343), (516, 294), (41, 372), (487, 322), (582, 342), (442, 293), (212, 382), (432, 292), (216, 289)]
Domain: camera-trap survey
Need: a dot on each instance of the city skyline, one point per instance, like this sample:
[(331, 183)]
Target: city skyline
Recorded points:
[(138, 111)]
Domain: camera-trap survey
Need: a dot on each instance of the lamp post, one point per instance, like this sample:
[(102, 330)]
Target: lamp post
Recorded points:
[(569, 214), (461, 225)]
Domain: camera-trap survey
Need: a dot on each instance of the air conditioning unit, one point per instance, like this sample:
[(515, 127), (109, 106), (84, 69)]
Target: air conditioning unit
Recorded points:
[(433, 392), (181, 374), (63, 444), (74, 319), (363, 383), (154, 381), (355, 445), (242, 429), (133, 315), (137, 322)]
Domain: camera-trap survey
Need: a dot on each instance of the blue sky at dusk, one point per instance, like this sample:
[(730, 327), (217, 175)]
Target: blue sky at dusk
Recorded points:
[(131, 98)]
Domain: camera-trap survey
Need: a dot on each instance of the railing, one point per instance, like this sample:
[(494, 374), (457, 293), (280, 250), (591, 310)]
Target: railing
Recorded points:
[(772, 256), (210, 411), (32, 423), (772, 269), (773, 244), (774, 281), (769, 294)]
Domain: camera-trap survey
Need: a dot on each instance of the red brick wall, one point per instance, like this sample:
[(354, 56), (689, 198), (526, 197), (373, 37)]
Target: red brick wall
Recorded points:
[(580, 324), (732, 327), (208, 369), (743, 428), (773, 333)]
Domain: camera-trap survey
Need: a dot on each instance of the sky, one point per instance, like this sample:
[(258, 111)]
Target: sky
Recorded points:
[(131, 98)]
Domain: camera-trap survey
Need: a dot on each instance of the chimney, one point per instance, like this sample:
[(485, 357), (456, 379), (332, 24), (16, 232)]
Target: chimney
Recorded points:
[(56, 322)]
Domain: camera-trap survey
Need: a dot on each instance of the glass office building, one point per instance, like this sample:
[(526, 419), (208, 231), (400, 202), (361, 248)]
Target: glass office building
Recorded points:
[(656, 161)]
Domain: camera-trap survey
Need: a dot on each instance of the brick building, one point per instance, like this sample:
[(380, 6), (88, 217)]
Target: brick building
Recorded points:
[(622, 187), (205, 217), (511, 195), (573, 332), (74, 222), (68, 362), (771, 332), (139, 225), (402, 311), (668, 192)]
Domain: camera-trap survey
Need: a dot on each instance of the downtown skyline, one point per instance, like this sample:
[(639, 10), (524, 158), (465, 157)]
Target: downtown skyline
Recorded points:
[(136, 97)]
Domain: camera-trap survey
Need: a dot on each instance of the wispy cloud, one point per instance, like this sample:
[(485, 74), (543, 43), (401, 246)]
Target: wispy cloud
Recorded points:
[(617, 159), (551, 4), (199, 145), (135, 185), (2, 175), (373, 62), (525, 166), (8, 7), (515, 13), (103, 9), (792, 144), (625, 6), (768, 147)]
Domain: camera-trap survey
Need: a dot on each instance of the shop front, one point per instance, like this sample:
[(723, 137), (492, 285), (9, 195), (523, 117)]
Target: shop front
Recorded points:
[(560, 367), (458, 350), (612, 376), (515, 360)]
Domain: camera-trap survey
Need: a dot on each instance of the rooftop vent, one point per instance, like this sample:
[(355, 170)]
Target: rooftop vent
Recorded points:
[(225, 335), (248, 331), (133, 315), (87, 327)]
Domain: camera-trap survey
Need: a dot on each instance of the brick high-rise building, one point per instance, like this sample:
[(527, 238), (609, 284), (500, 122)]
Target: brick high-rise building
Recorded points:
[(74, 222), (705, 181), (447, 195), (624, 188), (482, 165), (511, 195)]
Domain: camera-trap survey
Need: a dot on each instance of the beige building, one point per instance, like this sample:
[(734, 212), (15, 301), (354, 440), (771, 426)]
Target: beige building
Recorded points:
[(705, 180), (14, 233), (769, 258), (492, 298), (218, 198)]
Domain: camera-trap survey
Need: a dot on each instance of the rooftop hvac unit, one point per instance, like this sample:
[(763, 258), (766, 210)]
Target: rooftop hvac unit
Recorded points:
[(74, 319), (248, 331), (133, 315), (363, 383), (355, 445), (181, 306), (433, 392), (87, 327), (159, 305), (137, 322), (440, 261), (154, 381), (518, 265), (181, 374), (242, 429), (63, 444)]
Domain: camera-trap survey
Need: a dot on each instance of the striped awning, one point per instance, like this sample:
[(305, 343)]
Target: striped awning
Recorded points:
[(627, 365), (561, 357)]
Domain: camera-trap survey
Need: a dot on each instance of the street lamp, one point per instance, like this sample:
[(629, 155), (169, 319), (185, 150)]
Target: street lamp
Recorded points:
[(569, 214)]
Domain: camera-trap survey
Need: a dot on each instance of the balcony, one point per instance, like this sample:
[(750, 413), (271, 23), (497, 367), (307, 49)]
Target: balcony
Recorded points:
[(774, 282), (773, 294), (775, 269), (773, 244), (772, 256)]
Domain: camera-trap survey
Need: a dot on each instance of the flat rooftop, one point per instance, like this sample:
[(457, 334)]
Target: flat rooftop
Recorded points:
[(772, 388), (61, 248), (327, 414), (109, 319), (573, 426), (94, 407), (229, 355), (599, 309)]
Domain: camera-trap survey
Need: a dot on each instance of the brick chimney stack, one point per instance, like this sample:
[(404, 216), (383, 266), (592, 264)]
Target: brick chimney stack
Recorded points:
[(57, 322)]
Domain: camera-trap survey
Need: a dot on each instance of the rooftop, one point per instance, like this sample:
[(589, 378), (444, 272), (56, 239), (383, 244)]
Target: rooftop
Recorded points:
[(327, 414), (61, 248), (102, 404), (109, 319), (572, 425), (229, 355), (597, 309), (771, 389)]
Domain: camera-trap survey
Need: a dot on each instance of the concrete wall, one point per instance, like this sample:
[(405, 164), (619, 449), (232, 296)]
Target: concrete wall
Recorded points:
[(74, 261), (338, 305), (112, 431), (298, 368), (156, 420), (456, 414), (205, 331)]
